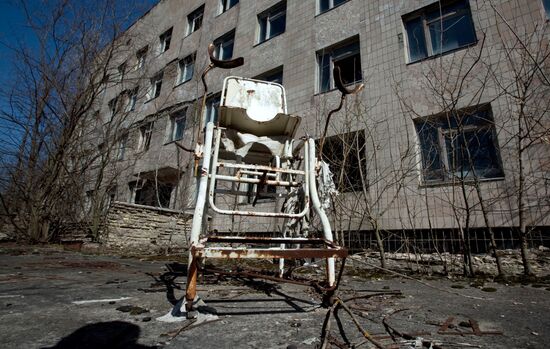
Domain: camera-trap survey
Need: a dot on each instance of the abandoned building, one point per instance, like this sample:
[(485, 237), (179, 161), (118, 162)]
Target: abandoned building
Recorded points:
[(428, 147)]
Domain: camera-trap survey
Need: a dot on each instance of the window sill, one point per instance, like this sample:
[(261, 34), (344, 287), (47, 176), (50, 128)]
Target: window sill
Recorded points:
[(266, 40), (443, 53), (173, 141), (150, 99), (330, 9), (458, 182), (336, 89), (181, 83), (229, 9)]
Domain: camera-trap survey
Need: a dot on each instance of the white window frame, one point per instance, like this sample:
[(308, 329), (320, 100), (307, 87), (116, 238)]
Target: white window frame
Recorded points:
[(145, 135), (211, 111), (165, 40), (132, 100), (141, 58), (121, 147), (422, 15), (266, 18), (330, 52), (195, 20), (156, 86), (121, 69), (175, 118), (225, 5), (221, 42), (186, 69), (330, 6)]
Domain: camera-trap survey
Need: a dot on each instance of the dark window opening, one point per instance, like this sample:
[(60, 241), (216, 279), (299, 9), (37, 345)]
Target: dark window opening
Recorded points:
[(435, 30), (346, 156), (460, 145), (272, 22), (347, 57)]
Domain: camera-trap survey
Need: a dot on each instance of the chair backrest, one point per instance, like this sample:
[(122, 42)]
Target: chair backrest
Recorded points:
[(256, 107)]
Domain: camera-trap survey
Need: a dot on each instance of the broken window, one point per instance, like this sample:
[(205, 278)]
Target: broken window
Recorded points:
[(186, 67), (275, 75), (141, 57), (272, 22), (438, 29), (347, 57), (546, 4), (132, 100), (459, 145), (346, 156), (325, 5), (151, 193), (145, 133), (224, 46), (177, 124), (194, 20), (227, 4), (121, 147), (156, 85), (165, 39)]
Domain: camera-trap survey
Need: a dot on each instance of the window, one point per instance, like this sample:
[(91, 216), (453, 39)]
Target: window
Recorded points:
[(156, 86), (145, 133), (186, 68), (224, 46), (121, 69), (227, 4), (460, 145), (345, 56), (275, 75), (165, 39), (150, 193), (212, 105), (325, 5), (141, 56), (121, 147), (272, 22), (194, 20), (132, 100), (546, 4), (177, 124), (346, 157), (434, 30), (113, 107)]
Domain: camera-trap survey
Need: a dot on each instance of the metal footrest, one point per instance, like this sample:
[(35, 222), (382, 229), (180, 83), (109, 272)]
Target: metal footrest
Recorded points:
[(322, 249)]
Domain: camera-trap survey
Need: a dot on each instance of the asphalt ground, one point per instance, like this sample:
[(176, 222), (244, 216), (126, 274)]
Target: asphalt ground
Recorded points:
[(50, 298)]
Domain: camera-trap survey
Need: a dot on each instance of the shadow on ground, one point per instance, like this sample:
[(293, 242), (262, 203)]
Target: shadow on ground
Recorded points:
[(101, 335)]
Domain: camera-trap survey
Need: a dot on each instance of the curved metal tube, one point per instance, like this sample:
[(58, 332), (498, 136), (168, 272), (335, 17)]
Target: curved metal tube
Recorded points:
[(340, 85)]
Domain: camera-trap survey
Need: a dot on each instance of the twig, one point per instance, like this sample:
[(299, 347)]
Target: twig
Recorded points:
[(358, 325), (419, 281)]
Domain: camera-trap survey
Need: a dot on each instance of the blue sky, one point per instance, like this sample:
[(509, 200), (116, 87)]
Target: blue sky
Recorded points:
[(13, 30)]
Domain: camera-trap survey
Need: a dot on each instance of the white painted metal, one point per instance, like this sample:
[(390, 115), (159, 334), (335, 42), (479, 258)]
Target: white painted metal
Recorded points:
[(325, 223)]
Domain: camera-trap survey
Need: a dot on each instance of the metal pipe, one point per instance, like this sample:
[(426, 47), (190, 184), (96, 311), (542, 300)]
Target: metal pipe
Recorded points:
[(327, 232)]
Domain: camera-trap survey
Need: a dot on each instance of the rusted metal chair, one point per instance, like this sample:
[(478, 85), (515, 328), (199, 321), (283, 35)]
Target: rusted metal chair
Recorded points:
[(254, 140)]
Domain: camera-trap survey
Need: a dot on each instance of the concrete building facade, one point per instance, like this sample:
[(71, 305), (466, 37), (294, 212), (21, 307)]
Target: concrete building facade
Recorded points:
[(439, 84)]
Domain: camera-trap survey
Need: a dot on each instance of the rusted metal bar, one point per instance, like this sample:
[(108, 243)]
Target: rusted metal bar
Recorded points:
[(269, 240), (257, 181), (260, 168), (233, 253)]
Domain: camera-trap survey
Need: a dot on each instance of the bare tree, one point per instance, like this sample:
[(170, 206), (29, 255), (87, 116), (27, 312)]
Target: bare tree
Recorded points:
[(58, 85)]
